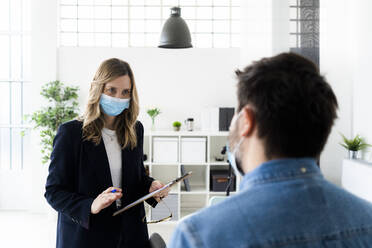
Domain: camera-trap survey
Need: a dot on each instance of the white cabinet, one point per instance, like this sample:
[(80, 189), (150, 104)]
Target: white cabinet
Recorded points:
[(356, 178)]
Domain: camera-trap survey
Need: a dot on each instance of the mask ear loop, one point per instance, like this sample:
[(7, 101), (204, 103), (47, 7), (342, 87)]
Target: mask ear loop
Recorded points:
[(241, 139)]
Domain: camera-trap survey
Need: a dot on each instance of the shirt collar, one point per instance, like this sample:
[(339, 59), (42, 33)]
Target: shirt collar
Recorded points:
[(280, 169)]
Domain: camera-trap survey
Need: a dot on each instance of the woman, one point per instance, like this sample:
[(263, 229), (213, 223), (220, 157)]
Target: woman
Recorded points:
[(99, 153)]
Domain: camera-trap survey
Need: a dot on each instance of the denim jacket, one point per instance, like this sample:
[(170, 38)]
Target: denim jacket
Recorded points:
[(282, 203)]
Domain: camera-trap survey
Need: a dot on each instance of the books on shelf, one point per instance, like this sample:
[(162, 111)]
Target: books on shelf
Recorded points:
[(186, 181)]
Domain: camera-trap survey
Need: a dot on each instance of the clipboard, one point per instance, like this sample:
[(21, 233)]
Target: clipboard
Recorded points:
[(144, 198)]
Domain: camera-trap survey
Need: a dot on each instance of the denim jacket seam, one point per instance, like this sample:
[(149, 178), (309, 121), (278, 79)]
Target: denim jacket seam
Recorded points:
[(282, 178), (346, 234)]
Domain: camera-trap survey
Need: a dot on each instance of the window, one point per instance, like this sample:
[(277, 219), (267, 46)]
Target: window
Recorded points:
[(304, 28), (14, 79), (138, 23)]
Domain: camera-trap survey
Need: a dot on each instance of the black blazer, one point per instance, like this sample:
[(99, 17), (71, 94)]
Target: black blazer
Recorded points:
[(79, 171)]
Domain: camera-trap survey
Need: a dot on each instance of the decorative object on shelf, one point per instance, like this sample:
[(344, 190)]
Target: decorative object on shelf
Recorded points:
[(221, 158), (153, 113), (189, 124), (175, 33), (177, 126), (186, 181), (217, 119), (354, 145), (220, 181), (225, 117), (62, 106)]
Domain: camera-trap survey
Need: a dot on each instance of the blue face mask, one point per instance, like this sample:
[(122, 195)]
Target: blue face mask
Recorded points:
[(113, 106), (231, 155)]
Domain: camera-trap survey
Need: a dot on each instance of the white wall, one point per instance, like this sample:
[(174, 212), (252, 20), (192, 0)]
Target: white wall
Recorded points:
[(361, 40), (180, 82), (335, 65), (345, 60), (264, 29), (44, 68)]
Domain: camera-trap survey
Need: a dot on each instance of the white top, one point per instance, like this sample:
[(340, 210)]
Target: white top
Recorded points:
[(113, 151)]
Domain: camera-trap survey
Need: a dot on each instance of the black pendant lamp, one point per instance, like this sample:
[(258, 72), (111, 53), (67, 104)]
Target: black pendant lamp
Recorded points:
[(175, 33)]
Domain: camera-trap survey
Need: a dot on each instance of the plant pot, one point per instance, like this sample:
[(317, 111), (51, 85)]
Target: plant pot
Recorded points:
[(353, 154), (176, 129)]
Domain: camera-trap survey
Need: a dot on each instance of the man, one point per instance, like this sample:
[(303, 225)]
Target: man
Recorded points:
[(285, 113)]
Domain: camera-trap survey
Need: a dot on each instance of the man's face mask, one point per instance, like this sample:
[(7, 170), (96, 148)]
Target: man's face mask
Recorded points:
[(232, 156)]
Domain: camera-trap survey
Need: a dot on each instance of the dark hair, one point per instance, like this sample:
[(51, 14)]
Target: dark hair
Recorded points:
[(294, 106)]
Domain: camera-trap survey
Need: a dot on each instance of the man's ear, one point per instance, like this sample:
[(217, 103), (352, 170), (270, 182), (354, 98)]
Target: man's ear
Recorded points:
[(247, 122)]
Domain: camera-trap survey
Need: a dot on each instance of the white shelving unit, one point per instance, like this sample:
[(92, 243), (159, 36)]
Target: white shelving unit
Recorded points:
[(199, 195)]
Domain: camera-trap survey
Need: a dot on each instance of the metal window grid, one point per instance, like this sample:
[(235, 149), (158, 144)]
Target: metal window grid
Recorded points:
[(11, 81), (306, 28), (75, 30)]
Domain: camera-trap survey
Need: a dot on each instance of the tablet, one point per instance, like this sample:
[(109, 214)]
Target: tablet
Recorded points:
[(144, 198)]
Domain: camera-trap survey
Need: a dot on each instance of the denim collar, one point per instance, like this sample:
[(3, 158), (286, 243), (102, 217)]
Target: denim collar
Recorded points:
[(279, 170)]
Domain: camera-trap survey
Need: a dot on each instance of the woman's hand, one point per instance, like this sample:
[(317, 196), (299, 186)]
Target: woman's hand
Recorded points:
[(105, 199), (155, 185)]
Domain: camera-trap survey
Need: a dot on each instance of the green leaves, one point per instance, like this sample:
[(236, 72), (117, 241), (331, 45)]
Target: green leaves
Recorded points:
[(153, 112), (62, 107), (176, 124), (355, 144)]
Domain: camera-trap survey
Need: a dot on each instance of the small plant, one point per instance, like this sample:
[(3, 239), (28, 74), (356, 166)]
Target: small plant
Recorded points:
[(153, 113), (355, 144), (62, 107), (176, 124)]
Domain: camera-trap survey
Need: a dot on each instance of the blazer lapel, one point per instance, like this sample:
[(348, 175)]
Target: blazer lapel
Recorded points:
[(100, 163), (124, 167)]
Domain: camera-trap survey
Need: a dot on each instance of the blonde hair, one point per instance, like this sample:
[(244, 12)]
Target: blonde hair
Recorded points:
[(93, 118)]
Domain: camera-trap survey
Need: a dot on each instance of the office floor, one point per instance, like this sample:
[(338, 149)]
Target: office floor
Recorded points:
[(25, 229)]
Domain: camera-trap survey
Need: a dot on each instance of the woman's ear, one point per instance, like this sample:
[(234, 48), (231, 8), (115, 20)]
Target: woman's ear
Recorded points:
[(247, 122)]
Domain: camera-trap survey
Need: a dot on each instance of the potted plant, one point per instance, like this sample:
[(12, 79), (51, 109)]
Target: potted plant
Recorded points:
[(354, 145), (62, 106), (153, 113), (176, 126)]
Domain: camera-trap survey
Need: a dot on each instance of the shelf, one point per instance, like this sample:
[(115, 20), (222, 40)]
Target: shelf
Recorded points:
[(219, 163), (212, 193), (195, 192), (186, 133), (160, 164), (195, 164)]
